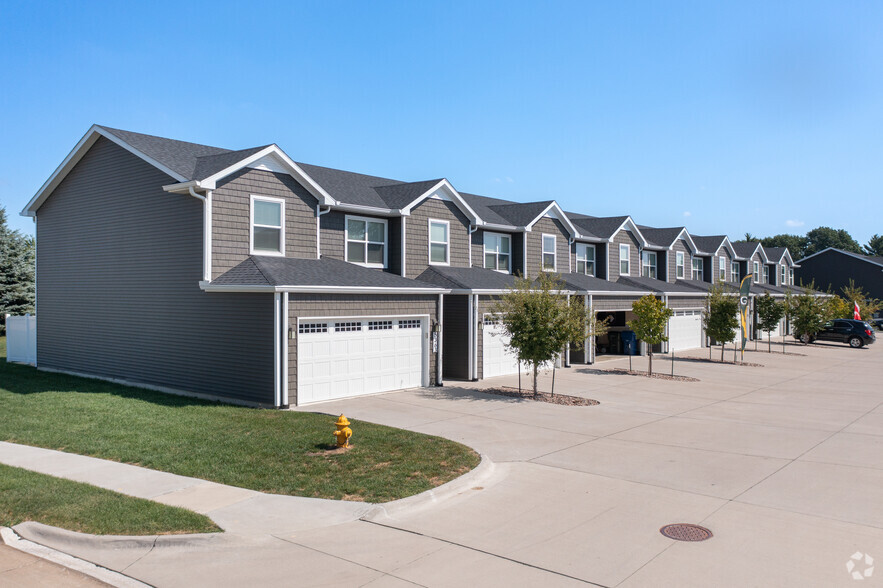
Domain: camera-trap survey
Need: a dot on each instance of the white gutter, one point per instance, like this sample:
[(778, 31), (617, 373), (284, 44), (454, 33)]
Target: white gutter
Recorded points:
[(469, 328), (212, 287), (475, 322), (285, 337), (404, 248), (472, 229), (439, 360), (206, 230), (319, 214), (277, 351)]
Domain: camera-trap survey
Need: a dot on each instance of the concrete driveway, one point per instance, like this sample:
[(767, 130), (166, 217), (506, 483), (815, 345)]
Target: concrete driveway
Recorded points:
[(783, 463)]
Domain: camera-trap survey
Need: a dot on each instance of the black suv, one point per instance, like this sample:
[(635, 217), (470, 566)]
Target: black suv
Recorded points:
[(856, 333)]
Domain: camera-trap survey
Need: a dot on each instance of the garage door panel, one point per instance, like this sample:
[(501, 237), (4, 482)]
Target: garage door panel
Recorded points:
[(497, 360), (352, 357), (685, 330)]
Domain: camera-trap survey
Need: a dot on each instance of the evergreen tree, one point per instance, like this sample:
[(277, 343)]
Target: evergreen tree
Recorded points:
[(17, 258), (875, 246)]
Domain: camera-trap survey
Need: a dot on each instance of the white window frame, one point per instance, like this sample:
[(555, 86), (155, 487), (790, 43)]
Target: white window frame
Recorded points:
[(700, 277), (496, 252), (346, 240), (447, 243), (628, 259), (680, 265), (584, 247), (791, 276), (722, 268), (766, 274), (756, 273), (734, 271), (544, 253), (783, 276), (251, 225), (645, 263)]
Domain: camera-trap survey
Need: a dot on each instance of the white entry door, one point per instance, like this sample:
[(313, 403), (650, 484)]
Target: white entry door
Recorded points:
[(685, 330), (341, 358), (497, 360)]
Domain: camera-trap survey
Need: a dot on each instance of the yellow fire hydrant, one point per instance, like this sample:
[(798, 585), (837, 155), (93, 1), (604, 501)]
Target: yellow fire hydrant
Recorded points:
[(343, 432)]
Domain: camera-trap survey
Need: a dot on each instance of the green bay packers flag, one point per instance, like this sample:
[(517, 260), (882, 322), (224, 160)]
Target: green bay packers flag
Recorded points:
[(743, 308)]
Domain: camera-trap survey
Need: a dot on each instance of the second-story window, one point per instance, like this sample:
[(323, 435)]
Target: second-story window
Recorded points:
[(679, 264), (756, 272), (791, 276), (697, 269), (766, 274), (549, 253), (585, 259), (783, 276), (267, 226), (439, 240), (722, 268), (734, 271), (648, 264), (624, 253), (497, 252), (366, 241)]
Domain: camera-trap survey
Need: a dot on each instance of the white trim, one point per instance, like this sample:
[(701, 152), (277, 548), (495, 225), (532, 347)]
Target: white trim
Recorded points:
[(368, 316), (655, 264), (470, 326), (286, 326), (346, 240), (721, 265), (474, 319), (277, 350), (734, 275), (755, 271), (439, 363), (454, 197), (208, 235), (404, 248), (251, 225), (447, 243), (632, 228), (554, 253), (680, 255), (701, 277), (628, 257), (213, 287), (586, 247), (508, 236), (688, 239), (559, 214)]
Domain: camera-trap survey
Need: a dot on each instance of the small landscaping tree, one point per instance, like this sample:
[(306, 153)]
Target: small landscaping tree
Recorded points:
[(719, 316), (538, 321), (853, 294), (809, 313), (769, 313), (651, 316)]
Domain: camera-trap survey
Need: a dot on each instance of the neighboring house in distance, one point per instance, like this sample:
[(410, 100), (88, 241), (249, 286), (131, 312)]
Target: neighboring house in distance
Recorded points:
[(832, 269)]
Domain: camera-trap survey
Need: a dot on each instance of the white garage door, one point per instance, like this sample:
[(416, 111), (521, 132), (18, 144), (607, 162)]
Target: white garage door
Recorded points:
[(497, 360), (340, 358), (685, 330)]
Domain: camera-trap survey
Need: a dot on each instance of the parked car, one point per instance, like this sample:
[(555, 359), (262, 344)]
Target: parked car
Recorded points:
[(856, 333), (877, 322)]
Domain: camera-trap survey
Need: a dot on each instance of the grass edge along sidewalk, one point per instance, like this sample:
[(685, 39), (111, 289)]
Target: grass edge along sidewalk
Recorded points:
[(278, 452), (31, 496)]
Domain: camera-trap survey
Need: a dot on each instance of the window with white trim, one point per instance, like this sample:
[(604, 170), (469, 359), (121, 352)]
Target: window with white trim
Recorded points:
[(679, 264), (267, 226), (791, 276), (783, 275), (624, 258), (439, 242), (648, 264), (734, 271), (497, 252), (766, 274), (366, 241), (549, 253), (698, 269), (722, 268), (585, 259), (756, 272)]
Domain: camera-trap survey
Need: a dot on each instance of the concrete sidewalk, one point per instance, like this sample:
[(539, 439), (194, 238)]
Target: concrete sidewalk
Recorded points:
[(782, 462)]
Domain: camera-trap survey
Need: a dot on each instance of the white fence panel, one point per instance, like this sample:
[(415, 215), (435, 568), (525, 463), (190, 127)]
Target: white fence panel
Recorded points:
[(21, 339)]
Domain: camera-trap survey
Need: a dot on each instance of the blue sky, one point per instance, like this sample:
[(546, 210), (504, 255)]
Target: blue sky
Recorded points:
[(747, 116)]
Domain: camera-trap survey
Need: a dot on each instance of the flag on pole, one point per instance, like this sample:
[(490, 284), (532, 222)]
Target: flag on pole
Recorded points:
[(743, 308), (855, 313)]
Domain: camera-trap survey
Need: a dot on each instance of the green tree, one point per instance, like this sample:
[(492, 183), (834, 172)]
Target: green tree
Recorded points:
[(795, 244), (821, 238), (867, 306), (17, 258), (651, 317), (719, 316), (875, 246), (809, 313), (769, 313), (538, 321)]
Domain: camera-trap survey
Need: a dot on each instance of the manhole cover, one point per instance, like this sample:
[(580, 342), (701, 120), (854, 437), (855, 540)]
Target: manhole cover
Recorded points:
[(685, 532)]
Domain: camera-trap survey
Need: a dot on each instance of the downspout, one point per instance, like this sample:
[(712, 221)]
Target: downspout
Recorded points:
[(469, 329), (475, 328), (277, 351), (570, 243), (403, 246), (667, 322), (472, 229), (439, 360), (319, 213), (206, 232), (592, 338), (285, 338), (567, 346)]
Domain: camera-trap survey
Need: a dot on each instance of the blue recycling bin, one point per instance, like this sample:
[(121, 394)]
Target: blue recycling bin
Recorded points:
[(629, 343)]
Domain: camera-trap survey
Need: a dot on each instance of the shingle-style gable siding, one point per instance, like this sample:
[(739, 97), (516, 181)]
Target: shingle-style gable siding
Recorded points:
[(231, 209), (549, 226), (679, 245), (623, 237), (119, 262), (417, 235)]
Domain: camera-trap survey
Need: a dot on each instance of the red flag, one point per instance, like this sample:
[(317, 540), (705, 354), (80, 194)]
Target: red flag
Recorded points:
[(855, 313)]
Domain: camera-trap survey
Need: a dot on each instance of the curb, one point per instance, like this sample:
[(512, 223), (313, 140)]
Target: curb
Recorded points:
[(46, 534), (424, 500), (11, 539)]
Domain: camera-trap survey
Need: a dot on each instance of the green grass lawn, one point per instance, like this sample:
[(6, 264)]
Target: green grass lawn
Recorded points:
[(29, 496), (271, 451)]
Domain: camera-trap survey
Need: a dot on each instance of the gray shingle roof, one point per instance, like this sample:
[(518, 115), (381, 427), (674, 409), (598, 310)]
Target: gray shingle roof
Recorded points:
[(520, 214), (584, 283), (400, 195), (708, 244), (482, 205), (603, 227), (775, 253), (285, 271), (661, 237), (655, 285), (349, 187), (467, 278), (745, 249), (209, 165)]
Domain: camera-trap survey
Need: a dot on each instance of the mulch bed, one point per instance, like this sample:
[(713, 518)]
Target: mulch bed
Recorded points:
[(525, 394), (659, 376)]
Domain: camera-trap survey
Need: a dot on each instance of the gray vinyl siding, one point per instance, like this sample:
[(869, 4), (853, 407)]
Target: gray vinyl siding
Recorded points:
[(119, 262), (231, 209), (680, 245), (685, 302), (549, 226), (302, 306), (624, 237), (417, 235), (455, 343), (728, 275), (610, 303)]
